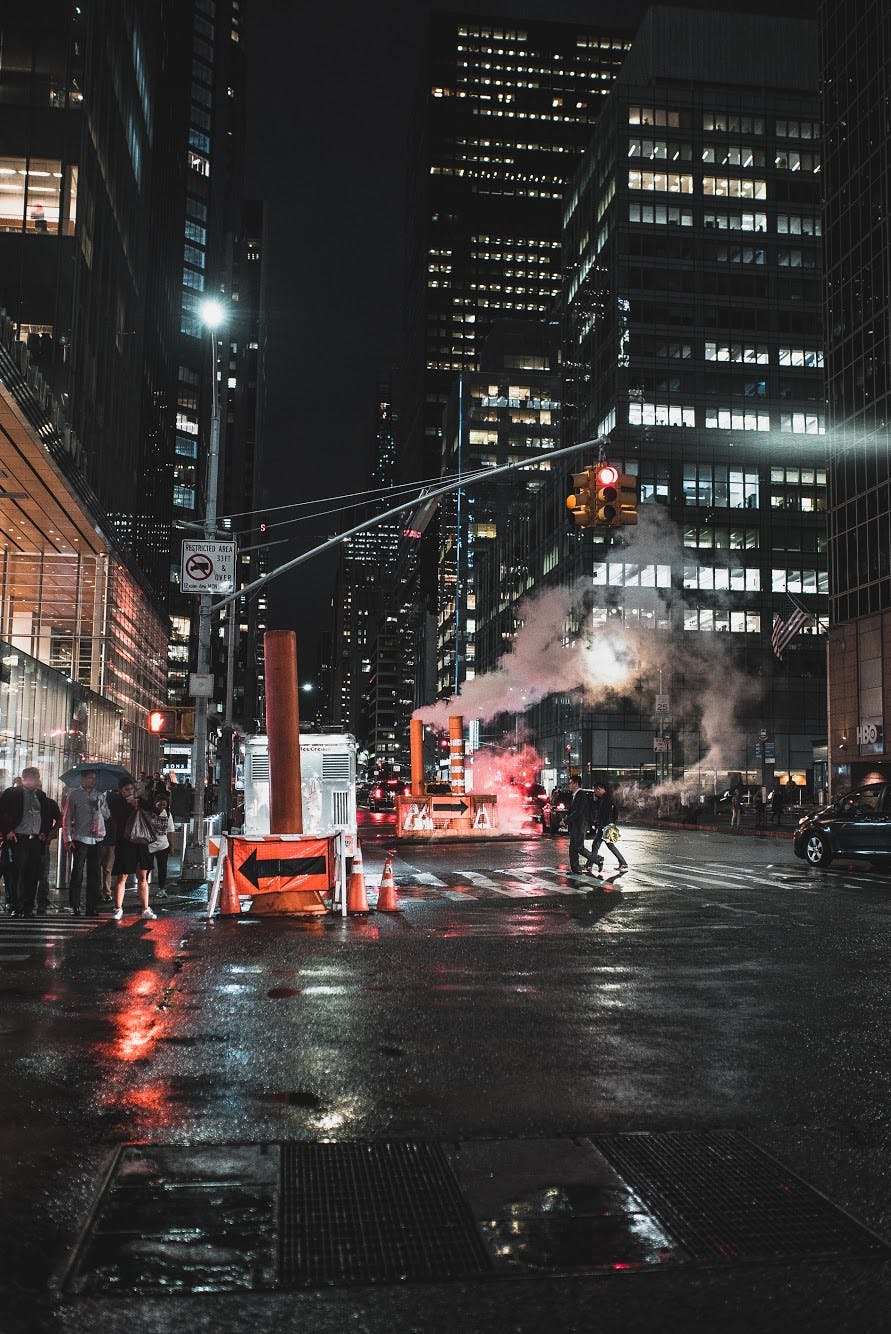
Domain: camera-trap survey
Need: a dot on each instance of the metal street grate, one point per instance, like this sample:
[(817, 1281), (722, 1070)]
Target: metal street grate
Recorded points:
[(377, 1212), (723, 1199)]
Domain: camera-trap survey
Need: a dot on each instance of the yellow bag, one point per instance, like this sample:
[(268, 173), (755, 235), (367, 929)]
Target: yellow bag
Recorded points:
[(611, 833)]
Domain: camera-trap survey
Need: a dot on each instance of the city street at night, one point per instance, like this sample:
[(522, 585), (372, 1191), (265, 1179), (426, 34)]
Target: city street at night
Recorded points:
[(513, 1022)]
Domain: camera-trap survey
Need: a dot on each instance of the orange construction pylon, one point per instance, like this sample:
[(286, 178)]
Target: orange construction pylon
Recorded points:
[(230, 903), (357, 897), (386, 894)]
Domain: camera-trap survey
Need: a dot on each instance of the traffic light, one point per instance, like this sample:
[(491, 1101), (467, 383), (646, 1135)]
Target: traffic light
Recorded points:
[(606, 494), (580, 503), (627, 510), (170, 723)]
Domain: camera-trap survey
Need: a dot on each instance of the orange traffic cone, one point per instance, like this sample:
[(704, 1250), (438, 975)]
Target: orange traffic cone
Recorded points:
[(230, 904), (357, 898), (386, 894)]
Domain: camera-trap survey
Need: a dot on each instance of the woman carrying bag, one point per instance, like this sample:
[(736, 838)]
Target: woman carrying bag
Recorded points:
[(162, 826), (131, 816), (606, 828)]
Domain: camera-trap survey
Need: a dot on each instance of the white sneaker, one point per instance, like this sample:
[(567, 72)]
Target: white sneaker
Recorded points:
[(118, 914), (148, 915)]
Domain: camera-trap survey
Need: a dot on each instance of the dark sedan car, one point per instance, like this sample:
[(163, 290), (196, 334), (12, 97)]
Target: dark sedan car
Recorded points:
[(856, 825)]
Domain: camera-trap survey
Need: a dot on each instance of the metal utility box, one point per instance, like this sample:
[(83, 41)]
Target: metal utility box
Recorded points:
[(328, 780)]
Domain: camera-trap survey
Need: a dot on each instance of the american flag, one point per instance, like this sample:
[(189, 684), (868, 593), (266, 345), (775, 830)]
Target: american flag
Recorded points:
[(785, 630)]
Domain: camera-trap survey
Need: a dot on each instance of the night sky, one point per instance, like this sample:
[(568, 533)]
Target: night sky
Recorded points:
[(330, 94)]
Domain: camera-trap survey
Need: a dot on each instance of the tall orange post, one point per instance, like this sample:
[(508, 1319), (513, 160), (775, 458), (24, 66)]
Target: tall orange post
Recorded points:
[(456, 767), (456, 754), (283, 731), (416, 740)]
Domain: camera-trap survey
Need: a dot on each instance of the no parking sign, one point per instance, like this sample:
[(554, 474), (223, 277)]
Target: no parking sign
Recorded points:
[(208, 567)]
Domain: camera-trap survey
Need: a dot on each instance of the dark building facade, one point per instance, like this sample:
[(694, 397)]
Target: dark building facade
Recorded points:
[(364, 660), (692, 343), (856, 88), (505, 413), (85, 349), (506, 109)]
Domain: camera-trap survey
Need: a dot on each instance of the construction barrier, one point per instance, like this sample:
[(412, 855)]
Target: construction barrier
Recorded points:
[(282, 873), (471, 814)]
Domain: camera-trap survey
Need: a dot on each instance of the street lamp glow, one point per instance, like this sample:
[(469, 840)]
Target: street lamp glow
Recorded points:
[(307, 686), (212, 312)]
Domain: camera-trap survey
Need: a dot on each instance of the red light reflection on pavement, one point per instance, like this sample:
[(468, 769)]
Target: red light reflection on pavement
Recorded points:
[(137, 1023)]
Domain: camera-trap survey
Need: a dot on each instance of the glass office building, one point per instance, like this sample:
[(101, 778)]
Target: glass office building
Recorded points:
[(856, 87), (693, 344)]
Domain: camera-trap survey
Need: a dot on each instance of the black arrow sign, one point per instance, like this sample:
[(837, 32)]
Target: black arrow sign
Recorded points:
[(455, 808), (255, 870)]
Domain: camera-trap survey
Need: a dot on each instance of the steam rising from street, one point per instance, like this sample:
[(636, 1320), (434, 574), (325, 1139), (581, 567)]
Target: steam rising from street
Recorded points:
[(619, 657)]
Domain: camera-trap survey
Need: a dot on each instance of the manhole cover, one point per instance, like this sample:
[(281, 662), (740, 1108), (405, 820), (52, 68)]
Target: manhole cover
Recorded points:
[(373, 1213), (181, 1220), (723, 1199)]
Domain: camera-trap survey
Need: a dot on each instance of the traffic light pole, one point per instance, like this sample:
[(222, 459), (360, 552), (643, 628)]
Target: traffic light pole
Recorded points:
[(194, 865), (433, 493)]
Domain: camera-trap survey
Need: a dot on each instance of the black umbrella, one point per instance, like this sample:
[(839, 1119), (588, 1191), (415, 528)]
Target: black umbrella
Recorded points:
[(108, 776)]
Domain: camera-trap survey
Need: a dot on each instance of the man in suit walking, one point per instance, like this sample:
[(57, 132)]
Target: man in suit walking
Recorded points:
[(579, 821)]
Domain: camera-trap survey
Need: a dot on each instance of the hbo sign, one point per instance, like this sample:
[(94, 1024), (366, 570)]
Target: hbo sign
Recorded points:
[(868, 734)]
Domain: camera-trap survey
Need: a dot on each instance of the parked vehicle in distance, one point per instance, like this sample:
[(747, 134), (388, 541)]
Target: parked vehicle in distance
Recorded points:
[(535, 799), (555, 812), (856, 825)]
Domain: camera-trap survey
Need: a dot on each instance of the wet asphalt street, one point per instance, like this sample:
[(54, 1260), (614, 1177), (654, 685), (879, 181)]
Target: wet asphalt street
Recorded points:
[(508, 1013)]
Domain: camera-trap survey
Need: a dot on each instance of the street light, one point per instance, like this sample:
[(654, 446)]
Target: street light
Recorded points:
[(212, 313)]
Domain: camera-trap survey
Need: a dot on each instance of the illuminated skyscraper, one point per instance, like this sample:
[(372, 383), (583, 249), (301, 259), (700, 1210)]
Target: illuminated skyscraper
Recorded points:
[(506, 110), (693, 342)]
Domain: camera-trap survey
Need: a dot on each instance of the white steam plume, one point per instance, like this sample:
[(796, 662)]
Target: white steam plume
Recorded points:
[(611, 657)]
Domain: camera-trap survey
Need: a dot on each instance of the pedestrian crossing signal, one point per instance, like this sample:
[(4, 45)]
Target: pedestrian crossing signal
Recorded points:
[(176, 724)]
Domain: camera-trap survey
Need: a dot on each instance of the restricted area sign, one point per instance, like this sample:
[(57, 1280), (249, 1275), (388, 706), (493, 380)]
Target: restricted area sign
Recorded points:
[(208, 567)]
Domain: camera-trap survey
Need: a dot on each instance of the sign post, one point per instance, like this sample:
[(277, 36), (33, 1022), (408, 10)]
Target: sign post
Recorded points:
[(208, 567)]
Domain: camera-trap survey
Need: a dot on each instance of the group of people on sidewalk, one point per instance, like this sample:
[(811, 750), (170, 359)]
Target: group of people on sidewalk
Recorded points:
[(108, 837), (593, 814), (777, 801)]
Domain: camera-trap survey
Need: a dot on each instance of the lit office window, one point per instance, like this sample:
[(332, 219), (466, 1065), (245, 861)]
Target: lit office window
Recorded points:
[(734, 187), (727, 419), (803, 423), (668, 181), (31, 195), (661, 414)]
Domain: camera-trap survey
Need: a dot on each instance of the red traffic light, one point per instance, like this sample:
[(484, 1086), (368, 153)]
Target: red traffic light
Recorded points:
[(607, 475)]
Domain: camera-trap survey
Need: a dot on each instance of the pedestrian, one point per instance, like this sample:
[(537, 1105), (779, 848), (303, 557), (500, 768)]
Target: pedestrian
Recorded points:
[(28, 821), (777, 802), (759, 808), (579, 821), (83, 832), (606, 825), (132, 837), (735, 809), (162, 825)]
